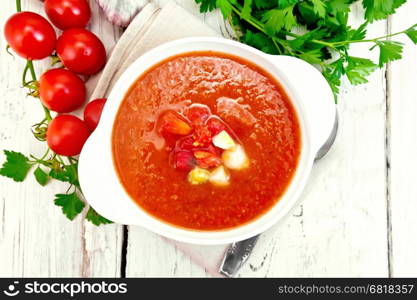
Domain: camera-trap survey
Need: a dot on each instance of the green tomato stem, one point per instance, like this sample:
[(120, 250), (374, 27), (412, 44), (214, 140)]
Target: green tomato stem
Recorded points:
[(31, 68), (18, 6)]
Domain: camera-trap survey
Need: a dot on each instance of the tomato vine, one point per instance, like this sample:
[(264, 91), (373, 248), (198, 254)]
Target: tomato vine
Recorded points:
[(50, 166)]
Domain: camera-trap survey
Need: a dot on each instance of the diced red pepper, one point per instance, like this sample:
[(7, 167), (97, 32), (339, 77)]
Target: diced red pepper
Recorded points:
[(215, 125), (197, 113), (202, 136), (212, 149), (173, 123), (185, 144), (207, 159), (183, 160)]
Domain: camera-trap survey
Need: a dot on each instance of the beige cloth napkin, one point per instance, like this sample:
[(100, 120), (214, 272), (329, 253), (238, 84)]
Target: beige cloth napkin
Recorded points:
[(151, 27)]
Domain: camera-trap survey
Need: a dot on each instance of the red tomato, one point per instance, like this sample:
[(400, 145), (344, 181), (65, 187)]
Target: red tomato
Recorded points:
[(197, 113), (92, 113), (81, 51), (30, 35), (66, 135), (61, 90), (66, 14)]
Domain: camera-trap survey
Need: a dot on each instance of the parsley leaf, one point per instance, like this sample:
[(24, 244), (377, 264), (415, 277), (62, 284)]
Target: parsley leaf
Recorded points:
[(286, 3), (206, 5), (247, 9), (70, 203), (312, 57), (412, 34), (16, 166), (260, 41), (359, 33), (41, 176), (358, 68), (277, 19), (319, 7), (68, 173), (339, 6), (389, 51), (380, 9), (264, 4), (333, 72), (95, 218), (225, 7)]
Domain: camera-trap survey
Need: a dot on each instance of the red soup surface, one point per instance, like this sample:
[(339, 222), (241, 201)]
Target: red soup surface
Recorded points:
[(206, 141)]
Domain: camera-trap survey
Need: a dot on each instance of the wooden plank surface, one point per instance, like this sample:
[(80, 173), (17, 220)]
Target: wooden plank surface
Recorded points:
[(342, 227), (402, 145), (35, 238)]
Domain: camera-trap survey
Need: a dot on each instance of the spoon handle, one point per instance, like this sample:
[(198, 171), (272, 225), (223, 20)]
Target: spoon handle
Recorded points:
[(236, 255)]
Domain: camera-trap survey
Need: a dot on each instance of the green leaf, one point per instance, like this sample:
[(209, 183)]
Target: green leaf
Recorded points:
[(225, 7), (70, 203), (206, 5), (286, 3), (301, 41), (41, 176), (380, 9), (264, 4), (307, 15), (333, 72), (68, 174), (389, 51), (247, 9), (312, 57), (93, 217), (277, 19), (358, 69), (412, 34), (338, 6), (260, 41), (16, 166), (359, 33), (319, 7)]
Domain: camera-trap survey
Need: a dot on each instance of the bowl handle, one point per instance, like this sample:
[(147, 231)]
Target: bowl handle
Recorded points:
[(98, 182), (314, 92)]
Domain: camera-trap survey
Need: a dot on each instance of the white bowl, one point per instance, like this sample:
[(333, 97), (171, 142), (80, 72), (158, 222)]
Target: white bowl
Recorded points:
[(307, 89)]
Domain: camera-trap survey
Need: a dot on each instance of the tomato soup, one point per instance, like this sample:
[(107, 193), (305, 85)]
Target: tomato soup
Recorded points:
[(206, 141)]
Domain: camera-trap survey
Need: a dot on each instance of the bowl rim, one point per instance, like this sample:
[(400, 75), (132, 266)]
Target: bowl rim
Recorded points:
[(276, 213)]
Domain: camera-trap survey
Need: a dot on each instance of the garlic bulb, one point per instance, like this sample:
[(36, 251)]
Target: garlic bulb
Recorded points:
[(121, 12)]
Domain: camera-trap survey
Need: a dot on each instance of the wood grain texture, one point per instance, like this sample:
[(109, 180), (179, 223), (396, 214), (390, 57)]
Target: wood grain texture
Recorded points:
[(35, 238), (402, 145), (357, 217)]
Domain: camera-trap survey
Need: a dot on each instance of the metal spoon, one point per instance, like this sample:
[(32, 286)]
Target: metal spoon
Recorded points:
[(238, 253)]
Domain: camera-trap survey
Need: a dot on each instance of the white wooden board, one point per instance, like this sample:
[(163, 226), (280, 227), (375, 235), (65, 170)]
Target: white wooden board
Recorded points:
[(35, 238), (342, 228), (402, 137)]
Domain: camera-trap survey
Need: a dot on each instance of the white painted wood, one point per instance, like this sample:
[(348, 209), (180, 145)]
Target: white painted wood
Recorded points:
[(339, 230), (35, 238), (402, 129)]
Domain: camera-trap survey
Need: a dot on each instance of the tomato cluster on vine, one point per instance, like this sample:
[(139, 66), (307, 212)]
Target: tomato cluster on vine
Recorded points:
[(60, 89)]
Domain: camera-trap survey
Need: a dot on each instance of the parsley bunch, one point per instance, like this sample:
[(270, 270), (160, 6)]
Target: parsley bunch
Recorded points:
[(268, 25), (50, 166)]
